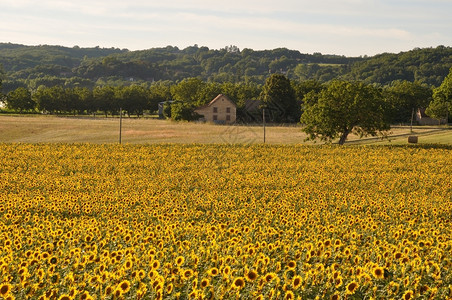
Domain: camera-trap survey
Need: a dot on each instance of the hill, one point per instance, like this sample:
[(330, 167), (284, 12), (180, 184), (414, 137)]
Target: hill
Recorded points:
[(32, 66)]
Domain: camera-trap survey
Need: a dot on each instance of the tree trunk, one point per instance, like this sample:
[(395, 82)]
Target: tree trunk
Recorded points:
[(343, 136)]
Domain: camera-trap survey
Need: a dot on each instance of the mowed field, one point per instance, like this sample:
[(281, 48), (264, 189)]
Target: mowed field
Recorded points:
[(222, 221), (52, 129)]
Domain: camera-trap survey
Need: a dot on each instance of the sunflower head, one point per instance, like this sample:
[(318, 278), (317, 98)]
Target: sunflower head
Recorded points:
[(351, 288), (251, 275), (213, 272), (378, 272), (408, 295), (238, 283), (296, 281), (291, 265), (205, 283), (180, 260), (5, 289), (124, 286), (289, 295)]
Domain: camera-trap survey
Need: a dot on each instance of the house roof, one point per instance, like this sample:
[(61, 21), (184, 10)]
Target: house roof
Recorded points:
[(216, 99)]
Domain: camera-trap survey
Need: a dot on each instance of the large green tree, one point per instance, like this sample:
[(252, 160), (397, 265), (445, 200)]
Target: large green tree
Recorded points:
[(20, 100), (342, 108), (280, 100), (133, 99), (441, 106), (189, 90), (403, 97), (106, 99)]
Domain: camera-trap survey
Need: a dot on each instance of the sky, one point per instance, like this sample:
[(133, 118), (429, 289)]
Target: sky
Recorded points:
[(342, 27)]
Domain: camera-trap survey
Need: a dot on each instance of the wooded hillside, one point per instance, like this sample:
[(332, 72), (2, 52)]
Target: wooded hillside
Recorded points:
[(34, 66)]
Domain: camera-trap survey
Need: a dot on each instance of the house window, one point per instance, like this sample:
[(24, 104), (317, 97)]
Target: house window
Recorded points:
[(228, 110), (228, 118), (215, 117), (215, 110)]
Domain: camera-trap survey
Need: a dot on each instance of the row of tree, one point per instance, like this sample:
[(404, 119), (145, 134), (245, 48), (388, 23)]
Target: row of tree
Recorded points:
[(401, 97), (133, 99)]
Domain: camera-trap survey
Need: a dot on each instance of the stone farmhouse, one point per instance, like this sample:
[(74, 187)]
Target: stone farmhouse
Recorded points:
[(220, 110), (423, 119)]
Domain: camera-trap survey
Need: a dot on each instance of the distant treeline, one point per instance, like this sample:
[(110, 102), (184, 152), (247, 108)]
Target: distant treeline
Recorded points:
[(47, 66)]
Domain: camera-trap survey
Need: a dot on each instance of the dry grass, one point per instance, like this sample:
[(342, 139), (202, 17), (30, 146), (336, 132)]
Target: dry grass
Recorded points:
[(52, 129)]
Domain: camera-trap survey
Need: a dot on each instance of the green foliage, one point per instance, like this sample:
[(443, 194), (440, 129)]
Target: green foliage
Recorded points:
[(167, 110), (189, 90), (280, 100), (183, 112), (404, 97), (342, 108), (428, 65), (159, 92), (20, 100), (302, 88), (133, 99), (54, 65), (441, 106)]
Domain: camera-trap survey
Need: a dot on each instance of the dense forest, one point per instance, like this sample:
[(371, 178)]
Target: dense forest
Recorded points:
[(34, 66)]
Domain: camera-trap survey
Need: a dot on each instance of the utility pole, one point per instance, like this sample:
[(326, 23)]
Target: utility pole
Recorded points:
[(411, 124), (120, 124), (263, 120)]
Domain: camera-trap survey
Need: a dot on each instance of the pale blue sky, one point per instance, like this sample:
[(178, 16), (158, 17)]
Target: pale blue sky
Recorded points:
[(344, 27)]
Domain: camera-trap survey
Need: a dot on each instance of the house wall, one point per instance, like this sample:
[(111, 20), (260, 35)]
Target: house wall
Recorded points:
[(424, 120), (221, 105)]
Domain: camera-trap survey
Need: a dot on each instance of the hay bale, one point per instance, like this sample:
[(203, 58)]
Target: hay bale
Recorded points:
[(412, 139)]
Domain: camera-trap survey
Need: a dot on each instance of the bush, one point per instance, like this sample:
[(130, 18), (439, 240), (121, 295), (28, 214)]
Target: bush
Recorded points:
[(183, 112)]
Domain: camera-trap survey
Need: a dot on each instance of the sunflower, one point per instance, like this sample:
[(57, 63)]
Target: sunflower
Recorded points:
[(187, 273), (108, 291), (296, 282), (85, 296), (238, 283), (291, 265), (124, 286), (128, 264), (227, 271), (53, 260), (338, 281), (169, 288), (251, 275), (213, 271), (378, 273), (155, 264), (270, 276), (193, 294), (65, 297), (141, 274), (335, 296), (180, 260), (205, 282), (351, 287), (289, 295), (5, 289), (117, 293), (408, 295)]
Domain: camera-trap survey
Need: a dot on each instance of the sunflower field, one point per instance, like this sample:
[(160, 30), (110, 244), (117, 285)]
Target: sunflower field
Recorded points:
[(173, 221)]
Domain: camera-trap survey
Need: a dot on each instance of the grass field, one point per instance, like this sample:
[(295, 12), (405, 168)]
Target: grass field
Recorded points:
[(52, 129)]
